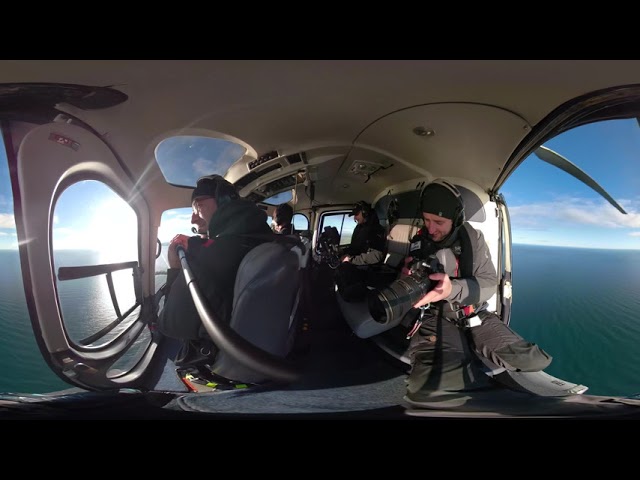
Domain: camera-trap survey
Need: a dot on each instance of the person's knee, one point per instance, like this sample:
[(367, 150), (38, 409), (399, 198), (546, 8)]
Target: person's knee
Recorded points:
[(522, 356), (504, 347)]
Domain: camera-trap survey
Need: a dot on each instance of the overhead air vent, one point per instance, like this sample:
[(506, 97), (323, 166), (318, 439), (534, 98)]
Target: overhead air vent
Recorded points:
[(278, 185), (247, 179), (360, 167), (366, 169), (297, 158), (263, 159), (254, 197)]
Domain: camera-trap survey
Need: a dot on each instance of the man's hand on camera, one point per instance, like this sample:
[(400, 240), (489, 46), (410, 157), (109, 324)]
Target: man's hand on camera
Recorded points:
[(346, 258), (406, 270), (172, 255), (441, 291)]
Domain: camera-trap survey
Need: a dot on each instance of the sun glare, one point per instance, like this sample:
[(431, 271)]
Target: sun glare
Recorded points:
[(91, 216), (113, 231)]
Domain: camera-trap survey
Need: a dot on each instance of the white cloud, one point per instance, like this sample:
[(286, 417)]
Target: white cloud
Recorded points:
[(177, 213), (634, 234), (7, 220), (64, 231), (574, 211), (180, 223), (8, 240), (202, 166)]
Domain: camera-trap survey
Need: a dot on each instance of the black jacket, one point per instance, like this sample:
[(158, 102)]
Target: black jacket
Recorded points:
[(214, 263), (368, 242)]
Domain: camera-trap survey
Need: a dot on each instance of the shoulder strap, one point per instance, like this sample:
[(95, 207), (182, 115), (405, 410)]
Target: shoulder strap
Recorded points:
[(466, 256)]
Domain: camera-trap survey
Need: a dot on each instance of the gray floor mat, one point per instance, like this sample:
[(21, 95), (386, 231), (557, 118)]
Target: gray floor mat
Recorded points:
[(384, 394)]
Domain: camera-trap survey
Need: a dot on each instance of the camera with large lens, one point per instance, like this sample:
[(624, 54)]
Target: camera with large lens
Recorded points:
[(393, 302), (328, 247)]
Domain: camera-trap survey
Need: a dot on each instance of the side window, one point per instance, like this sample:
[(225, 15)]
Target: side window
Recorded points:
[(300, 222), (172, 222), (342, 221), (94, 227)]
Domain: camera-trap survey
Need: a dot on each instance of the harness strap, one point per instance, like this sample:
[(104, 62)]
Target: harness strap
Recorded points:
[(464, 268)]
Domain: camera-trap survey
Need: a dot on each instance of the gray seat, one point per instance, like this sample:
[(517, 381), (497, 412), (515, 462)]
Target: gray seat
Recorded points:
[(265, 304), (357, 313)]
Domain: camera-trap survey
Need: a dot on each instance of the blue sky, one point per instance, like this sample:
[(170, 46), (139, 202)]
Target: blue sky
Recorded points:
[(550, 207), (547, 206)]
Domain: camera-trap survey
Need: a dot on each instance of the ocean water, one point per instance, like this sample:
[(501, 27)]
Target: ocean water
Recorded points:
[(582, 306)]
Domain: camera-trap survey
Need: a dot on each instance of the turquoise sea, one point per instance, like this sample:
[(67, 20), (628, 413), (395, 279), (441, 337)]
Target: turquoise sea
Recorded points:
[(580, 305)]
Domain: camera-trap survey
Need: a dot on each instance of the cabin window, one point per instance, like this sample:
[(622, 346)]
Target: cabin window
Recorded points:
[(342, 221), (172, 222), (93, 226), (277, 199), (300, 222), (183, 159)]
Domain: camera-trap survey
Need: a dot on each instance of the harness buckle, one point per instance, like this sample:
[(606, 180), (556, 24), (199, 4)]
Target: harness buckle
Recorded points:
[(473, 321), (465, 317)]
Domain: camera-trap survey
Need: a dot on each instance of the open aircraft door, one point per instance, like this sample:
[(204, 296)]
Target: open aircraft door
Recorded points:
[(44, 161)]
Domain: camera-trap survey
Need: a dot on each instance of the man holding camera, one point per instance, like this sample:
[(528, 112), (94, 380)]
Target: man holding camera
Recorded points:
[(452, 316)]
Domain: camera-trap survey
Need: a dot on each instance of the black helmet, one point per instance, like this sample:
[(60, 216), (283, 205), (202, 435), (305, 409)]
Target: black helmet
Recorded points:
[(363, 207), (443, 199), (217, 187)]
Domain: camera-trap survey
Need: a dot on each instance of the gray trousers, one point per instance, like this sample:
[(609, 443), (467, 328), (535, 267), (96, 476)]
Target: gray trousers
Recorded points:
[(444, 356)]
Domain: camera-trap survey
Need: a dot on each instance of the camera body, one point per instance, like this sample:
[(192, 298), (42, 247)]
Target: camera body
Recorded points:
[(421, 269), (391, 303)]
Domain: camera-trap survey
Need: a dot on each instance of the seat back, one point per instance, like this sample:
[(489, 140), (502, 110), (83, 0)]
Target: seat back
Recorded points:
[(266, 298), (398, 240)]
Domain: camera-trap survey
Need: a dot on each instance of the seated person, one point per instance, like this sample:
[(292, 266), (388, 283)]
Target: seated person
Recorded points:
[(443, 331), (366, 249), (282, 217), (368, 240), (219, 212)]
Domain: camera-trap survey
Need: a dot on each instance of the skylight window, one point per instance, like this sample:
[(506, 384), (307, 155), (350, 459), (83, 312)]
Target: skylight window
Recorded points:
[(183, 159)]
